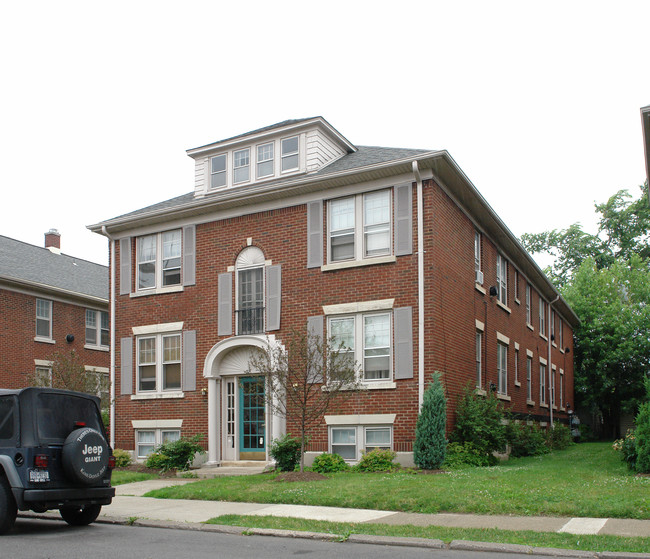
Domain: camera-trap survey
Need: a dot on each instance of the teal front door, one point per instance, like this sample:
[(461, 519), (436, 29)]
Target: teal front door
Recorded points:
[(252, 419)]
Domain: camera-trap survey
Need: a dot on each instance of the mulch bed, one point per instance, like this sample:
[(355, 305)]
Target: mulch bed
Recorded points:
[(300, 476)]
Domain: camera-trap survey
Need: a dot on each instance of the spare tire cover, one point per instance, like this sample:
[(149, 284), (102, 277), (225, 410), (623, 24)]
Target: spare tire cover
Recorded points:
[(85, 456)]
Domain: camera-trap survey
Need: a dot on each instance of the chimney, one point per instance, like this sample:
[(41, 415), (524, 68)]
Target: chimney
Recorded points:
[(53, 241)]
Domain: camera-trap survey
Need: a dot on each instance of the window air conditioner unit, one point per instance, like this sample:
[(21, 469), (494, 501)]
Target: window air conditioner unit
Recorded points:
[(479, 277)]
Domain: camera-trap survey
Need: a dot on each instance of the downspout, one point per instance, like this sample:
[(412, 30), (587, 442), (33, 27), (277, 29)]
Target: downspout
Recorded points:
[(112, 319), (550, 365), (420, 227)]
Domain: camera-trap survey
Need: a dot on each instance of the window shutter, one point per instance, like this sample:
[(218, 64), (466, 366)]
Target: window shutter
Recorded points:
[(315, 328), (403, 220), (315, 234), (273, 297), (189, 360), (224, 311), (189, 255), (403, 318), (126, 366), (125, 266)]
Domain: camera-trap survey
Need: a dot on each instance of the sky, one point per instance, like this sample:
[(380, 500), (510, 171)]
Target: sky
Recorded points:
[(538, 102)]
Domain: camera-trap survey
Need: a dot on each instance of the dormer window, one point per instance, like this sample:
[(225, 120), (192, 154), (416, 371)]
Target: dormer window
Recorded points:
[(218, 171), (290, 159), (265, 160), (241, 167)]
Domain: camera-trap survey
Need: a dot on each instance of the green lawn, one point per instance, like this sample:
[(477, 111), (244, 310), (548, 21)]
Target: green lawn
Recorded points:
[(120, 477), (588, 480)]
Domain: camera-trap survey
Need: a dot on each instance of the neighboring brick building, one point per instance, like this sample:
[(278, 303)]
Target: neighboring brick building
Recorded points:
[(291, 226), (50, 302)]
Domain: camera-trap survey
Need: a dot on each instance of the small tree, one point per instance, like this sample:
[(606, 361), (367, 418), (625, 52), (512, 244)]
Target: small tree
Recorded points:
[(430, 445), (68, 372), (304, 379), (642, 433)]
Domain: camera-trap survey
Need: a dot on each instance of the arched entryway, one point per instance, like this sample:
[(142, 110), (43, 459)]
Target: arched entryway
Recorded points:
[(240, 424)]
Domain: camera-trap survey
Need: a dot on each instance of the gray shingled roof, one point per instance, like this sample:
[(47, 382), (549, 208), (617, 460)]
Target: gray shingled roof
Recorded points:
[(27, 263), (366, 155)]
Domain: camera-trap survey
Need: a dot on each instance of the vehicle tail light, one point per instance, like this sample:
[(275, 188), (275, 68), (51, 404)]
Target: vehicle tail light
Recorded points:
[(111, 462), (79, 424), (41, 461)]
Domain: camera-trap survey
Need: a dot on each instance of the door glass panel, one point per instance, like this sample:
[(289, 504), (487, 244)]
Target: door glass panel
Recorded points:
[(253, 435)]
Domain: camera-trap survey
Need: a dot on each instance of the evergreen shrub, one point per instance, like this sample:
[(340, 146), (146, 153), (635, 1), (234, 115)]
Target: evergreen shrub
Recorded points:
[(430, 444)]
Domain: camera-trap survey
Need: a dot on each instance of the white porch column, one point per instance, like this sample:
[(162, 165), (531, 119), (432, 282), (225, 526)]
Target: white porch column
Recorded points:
[(213, 421)]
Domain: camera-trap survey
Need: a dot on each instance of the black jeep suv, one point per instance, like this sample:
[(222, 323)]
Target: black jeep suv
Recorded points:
[(53, 455)]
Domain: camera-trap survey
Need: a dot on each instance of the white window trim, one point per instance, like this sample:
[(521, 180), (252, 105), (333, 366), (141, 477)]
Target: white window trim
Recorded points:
[(98, 331), (48, 338), (244, 263), (502, 384), (360, 423), (158, 287), (282, 155), (158, 435), (502, 280), (159, 392), (210, 173), (258, 161), (361, 307), (235, 168), (359, 347), (359, 258)]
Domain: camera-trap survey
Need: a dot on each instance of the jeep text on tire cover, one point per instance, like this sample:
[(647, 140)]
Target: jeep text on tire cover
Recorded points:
[(53, 455)]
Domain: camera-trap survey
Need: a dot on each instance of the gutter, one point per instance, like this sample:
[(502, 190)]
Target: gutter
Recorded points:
[(420, 228), (112, 319)]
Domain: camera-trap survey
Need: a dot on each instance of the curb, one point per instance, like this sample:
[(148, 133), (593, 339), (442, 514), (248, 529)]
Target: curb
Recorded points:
[(455, 545)]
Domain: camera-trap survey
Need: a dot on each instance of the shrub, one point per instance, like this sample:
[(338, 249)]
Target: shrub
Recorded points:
[(430, 444), (122, 458), (286, 452), (642, 435), (525, 440), (467, 454), (479, 420), (377, 460), (559, 437), (175, 455), (627, 448), (327, 463)]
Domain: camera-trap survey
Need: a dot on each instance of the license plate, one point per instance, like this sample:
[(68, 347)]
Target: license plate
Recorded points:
[(39, 476)]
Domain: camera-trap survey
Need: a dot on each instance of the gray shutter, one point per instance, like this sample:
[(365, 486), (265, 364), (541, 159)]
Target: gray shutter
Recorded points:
[(125, 266), (315, 328), (189, 255), (273, 297), (189, 360), (403, 220), (403, 325), (126, 366), (315, 234), (224, 311)]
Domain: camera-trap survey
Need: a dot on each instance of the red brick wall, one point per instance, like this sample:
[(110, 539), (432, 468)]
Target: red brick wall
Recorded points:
[(18, 329), (451, 300)]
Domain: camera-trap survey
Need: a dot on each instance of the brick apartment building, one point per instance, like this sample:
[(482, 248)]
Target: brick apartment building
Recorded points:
[(50, 302), (393, 251)]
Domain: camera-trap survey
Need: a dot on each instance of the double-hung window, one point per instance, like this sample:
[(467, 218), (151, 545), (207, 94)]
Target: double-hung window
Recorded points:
[(241, 166), (218, 171), (360, 226), (97, 328), (290, 153), (250, 291), (159, 260), (542, 383), (502, 279), (529, 311), (344, 442), (43, 319), (350, 441), (378, 437), (159, 363), (529, 378), (502, 368), (366, 337), (478, 274), (542, 317), (265, 160)]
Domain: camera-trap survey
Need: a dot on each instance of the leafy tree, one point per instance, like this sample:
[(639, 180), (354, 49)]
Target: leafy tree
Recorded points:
[(612, 342), (430, 442), (69, 372), (623, 231), (304, 379), (642, 433)]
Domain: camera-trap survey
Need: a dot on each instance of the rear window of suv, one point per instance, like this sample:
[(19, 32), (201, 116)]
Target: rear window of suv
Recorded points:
[(57, 415), (7, 417)]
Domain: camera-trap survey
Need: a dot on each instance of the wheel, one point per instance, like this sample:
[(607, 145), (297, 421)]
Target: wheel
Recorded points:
[(8, 509), (80, 516), (85, 456)]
